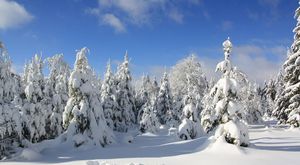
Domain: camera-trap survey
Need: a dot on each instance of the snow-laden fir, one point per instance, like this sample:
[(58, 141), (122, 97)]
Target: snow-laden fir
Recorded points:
[(71, 115)]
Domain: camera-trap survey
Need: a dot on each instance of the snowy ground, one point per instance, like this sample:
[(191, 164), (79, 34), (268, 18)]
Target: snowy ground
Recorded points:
[(274, 145)]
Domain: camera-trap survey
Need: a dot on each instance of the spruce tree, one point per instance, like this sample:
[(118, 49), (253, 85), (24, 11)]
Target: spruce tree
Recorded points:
[(190, 127), (108, 96), (288, 103), (56, 94), (225, 108), (163, 104), (10, 118), (83, 117), (35, 112), (124, 116)]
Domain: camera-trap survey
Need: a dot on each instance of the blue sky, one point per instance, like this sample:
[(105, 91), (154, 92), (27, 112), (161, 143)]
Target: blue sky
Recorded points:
[(156, 33)]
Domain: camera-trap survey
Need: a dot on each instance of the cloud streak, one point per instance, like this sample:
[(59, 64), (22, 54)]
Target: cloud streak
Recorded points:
[(13, 15), (123, 13)]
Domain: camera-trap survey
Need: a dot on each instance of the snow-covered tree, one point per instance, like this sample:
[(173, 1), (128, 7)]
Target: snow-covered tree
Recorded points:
[(124, 116), (143, 95), (10, 118), (56, 94), (163, 104), (190, 126), (149, 121), (83, 117), (226, 106), (34, 110), (253, 107), (178, 79), (108, 97), (288, 103)]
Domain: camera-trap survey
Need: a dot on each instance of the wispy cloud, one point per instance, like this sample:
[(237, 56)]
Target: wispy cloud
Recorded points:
[(13, 14), (140, 12), (271, 12), (113, 21), (176, 16)]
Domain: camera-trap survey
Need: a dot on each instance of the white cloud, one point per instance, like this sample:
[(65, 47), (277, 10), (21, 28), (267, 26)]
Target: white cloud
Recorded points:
[(253, 60), (176, 16), (114, 22), (260, 63), (142, 12), (12, 14)]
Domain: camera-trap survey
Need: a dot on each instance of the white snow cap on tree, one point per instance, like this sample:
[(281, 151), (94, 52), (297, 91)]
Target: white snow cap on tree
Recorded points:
[(83, 116)]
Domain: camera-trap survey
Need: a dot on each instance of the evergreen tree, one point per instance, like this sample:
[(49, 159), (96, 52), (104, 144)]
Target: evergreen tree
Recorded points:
[(163, 104), (108, 97), (226, 106), (143, 96), (288, 103), (83, 117), (149, 121), (10, 118), (34, 110), (253, 107), (190, 127), (178, 82), (124, 116), (56, 94)]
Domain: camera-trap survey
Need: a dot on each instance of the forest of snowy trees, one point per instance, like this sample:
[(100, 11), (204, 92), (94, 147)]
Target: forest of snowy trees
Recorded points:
[(73, 104)]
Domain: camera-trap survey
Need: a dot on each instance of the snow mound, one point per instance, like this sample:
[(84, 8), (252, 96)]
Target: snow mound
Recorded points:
[(30, 155), (94, 163), (220, 146)]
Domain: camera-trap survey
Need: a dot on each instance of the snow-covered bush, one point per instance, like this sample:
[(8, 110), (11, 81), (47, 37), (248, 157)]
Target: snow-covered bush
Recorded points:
[(124, 116), (83, 117), (234, 132)]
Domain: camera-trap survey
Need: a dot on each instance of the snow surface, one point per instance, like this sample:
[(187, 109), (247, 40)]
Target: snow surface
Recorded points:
[(274, 145)]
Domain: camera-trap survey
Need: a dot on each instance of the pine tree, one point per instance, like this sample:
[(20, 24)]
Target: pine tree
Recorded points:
[(163, 104), (34, 110), (124, 116), (188, 66), (83, 117), (143, 96), (288, 103), (56, 94), (149, 121), (108, 96), (190, 127), (226, 105), (253, 108), (10, 118)]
